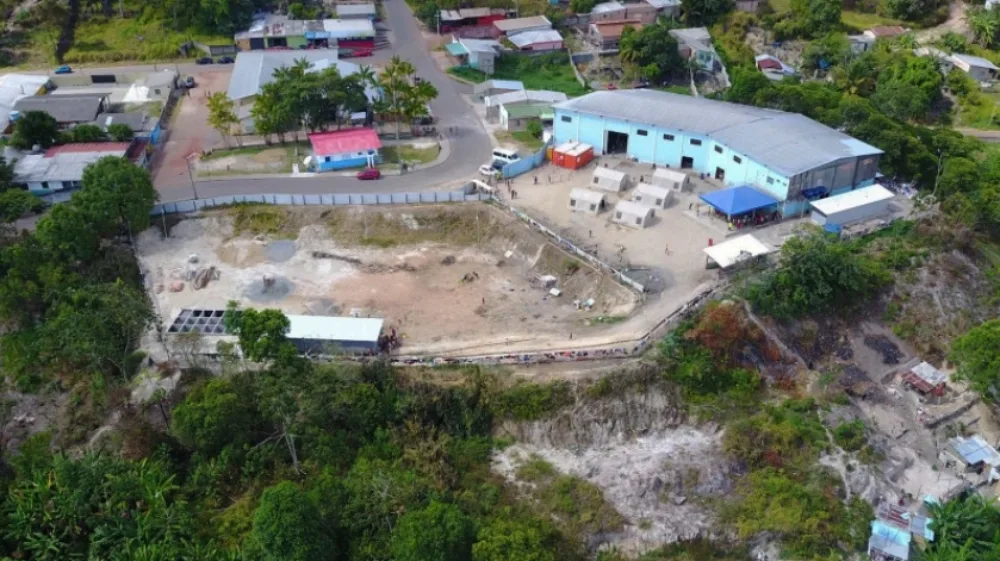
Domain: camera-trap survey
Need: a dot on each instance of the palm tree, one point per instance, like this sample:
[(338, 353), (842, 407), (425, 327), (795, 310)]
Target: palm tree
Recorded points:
[(984, 25), (395, 82)]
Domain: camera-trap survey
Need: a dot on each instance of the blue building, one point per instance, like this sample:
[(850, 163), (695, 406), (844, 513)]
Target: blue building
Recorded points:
[(790, 156), (349, 148)]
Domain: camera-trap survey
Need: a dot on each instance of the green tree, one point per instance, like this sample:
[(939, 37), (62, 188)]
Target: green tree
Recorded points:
[(287, 527), (117, 196), (651, 49), (261, 333), (271, 113), (87, 133), (511, 540), (15, 203), (977, 356), (912, 10), (816, 274), (440, 532), (400, 98), (35, 127), (705, 12), (810, 18), (214, 415), (582, 6), (120, 132), (534, 128), (222, 116), (900, 100)]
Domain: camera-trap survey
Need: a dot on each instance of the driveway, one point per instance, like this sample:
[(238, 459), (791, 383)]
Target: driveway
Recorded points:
[(470, 144)]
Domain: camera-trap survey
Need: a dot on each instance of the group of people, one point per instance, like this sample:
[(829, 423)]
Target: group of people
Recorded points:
[(751, 220)]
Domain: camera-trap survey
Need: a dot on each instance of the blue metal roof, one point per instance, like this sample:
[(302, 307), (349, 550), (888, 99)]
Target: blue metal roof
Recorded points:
[(457, 49), (738, 200)]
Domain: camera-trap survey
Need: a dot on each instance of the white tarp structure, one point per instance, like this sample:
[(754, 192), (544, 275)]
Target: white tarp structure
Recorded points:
[(632, 214), (586, 200), (651, 195), (736, 250), (608, 179), (670, 179)]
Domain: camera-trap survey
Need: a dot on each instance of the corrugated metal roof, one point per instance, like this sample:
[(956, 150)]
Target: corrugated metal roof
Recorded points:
[(890, 540), (521, 111), (607, 7), (254, 69), (853, 199), (787, 143), (526, 38), (14, 87), (480, 45), (355, 10), (526, 96), (64, 108), (65, 162), (517, 24), (661, 4), (330, 328), (972, 60), (512, 85), (926, 372), (733, 251), (344, 141), (975, 450)]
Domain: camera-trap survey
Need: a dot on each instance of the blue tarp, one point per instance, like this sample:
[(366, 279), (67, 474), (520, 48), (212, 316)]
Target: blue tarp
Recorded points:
[(738, 200)]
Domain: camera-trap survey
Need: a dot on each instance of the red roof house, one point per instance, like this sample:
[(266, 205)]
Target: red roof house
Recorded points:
[(345, 148)]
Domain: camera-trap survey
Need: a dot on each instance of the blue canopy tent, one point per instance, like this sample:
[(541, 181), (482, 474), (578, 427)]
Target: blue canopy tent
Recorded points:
[(737, 201)]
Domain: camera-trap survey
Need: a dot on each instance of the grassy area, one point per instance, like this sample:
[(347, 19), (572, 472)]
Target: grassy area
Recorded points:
[(522, 138), (375, 227), (979, 111), (100, 40), (252, 160), (410, 154), (862, 21), (683, 90), (466, 73), (546, 72)]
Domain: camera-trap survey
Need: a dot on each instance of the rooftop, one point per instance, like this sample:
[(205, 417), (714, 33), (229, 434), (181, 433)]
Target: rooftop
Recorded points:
[(14, 87), (275, 25), (661, 4), (652, 190), (889, 540), (693, 37), (735, 250), (926, 372), (480, 45), (976, 61), (613, 29), (512, 85), (65, 108), (787, 143), (527, 96), (135, 121), (344, 141), (527, 110), (254, 69), (604, 7), (65, 162), (526, 38), (355, 10), (456, 15), (608, 173), (853, 199), (515, 25), (581, 194), (634, 209), (974, 450), (331, 328)]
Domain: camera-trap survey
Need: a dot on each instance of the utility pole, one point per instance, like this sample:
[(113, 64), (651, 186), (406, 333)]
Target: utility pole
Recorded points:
[(194, 187)]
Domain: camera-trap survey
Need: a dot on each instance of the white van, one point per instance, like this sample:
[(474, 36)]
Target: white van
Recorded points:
[(505, 155)]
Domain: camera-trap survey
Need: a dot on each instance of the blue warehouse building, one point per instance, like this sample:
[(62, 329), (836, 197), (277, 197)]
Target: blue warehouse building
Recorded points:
[(787, 155)]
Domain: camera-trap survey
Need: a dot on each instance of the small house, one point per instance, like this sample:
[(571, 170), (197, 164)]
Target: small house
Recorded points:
[(974, 455), (356, 11), (632, 215), (535, 41), (925, 379), (642, 12), (60, 168), (585, 200), (607, 179), (888, 543), (496, 87), (517, 116), (607, 11), (609, 33), (348, 148), (651, 196), (670, 179), (513, 26), (666, 8), (480, 54), (978, 68), (67, 110)]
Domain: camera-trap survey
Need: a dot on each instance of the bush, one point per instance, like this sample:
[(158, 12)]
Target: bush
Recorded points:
[(850, 436)]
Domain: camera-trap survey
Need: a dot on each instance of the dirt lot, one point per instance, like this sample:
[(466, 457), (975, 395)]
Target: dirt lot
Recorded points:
[(451, 278)]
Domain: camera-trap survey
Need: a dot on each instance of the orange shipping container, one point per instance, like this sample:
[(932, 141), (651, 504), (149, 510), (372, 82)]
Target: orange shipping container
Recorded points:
[(560, 152), (579, 156)]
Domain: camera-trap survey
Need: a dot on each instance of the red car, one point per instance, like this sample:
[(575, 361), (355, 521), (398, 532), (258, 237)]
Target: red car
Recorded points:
[(370, 173)]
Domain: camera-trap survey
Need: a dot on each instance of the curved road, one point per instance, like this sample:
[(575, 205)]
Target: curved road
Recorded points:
[(470, 144)]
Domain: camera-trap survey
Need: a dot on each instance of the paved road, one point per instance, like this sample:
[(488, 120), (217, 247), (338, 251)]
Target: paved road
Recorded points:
[(470, 145)]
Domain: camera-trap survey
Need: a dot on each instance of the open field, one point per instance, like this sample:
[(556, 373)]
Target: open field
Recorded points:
[(544, 72), (447, 277), (257, 159)]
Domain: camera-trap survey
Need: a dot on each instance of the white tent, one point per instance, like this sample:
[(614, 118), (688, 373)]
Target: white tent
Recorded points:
[(586, 200), (632, 214), (670, 179), (609, 180), (736, 250), (651, 195)]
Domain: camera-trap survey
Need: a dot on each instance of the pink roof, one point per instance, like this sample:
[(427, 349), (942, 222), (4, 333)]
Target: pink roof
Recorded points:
[(87, 147), (350, 140)]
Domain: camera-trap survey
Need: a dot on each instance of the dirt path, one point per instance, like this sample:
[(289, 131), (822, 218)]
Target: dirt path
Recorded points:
[(955, 23)]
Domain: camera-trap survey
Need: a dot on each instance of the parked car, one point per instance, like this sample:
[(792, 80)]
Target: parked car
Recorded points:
[(612, 86), (487, 170), (204, 60), (225, 60), (370, 173), (362, 52), (64, 69), (188, 82)]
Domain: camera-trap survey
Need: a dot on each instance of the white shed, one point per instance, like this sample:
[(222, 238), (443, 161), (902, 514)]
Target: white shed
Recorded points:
[(853, 206), (736, 250), (651, 195), (586, 200), (608, 179), (670, 179), (632, 214)]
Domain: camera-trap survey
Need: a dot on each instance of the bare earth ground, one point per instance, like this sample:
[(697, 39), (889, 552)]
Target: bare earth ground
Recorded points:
[(410, 285)]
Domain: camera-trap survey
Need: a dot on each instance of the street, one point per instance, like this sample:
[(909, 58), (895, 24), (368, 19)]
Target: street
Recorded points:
[(470, 143)]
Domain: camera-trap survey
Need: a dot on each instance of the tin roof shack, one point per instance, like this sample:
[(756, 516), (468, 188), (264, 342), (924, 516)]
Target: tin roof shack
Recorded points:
[(973, 455), (633, 215), (585, 200), (520, 25), (516, 117), (979, 68), (480, 54), (523, 96), (609, 180), (544, 40), (608, 33), (330, 335), (853, 206), (670, 179), (926, 379), (651, 196), (607, 11), (888, 543), (669, 8), (61, 167), (741, 249)]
